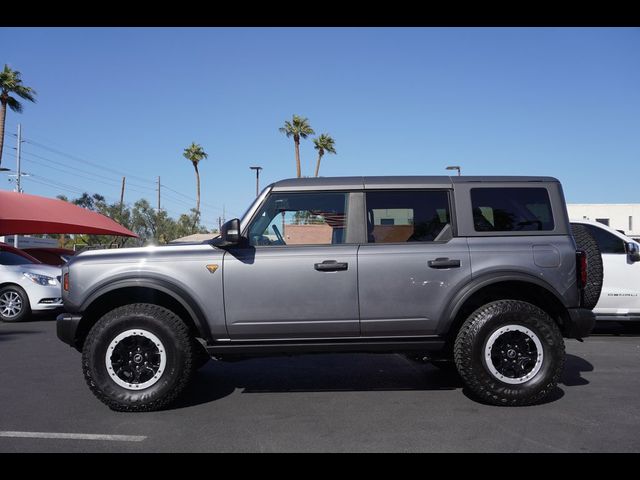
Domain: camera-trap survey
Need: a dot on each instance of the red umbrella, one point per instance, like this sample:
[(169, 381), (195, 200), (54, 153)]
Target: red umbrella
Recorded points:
[(24, 214)]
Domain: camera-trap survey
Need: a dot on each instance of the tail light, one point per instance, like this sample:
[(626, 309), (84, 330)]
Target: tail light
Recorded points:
[(65, 282), (581, 264)]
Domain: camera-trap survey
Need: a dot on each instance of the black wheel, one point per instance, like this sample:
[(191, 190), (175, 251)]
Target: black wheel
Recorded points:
[(14, 304), (138, 357), (510, 352), (595, 271)]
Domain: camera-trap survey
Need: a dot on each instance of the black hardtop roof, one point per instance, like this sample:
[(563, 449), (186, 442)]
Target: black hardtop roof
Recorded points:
[(436, 181)]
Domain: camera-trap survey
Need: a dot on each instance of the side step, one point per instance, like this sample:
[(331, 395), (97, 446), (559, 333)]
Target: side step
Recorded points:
[(286, 347)]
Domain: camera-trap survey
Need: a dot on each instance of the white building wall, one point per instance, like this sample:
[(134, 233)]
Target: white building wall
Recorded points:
[(621, 216)]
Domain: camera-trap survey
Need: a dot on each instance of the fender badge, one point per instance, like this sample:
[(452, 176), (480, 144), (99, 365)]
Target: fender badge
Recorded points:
[(212, 267)]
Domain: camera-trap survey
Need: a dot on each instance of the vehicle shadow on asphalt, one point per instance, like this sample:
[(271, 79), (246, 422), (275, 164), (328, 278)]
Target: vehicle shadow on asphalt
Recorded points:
[(13, 334), (340, 373), (315, 373)]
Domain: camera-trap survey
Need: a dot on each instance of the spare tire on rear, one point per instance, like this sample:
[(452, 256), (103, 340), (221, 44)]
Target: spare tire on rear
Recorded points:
[(595, 272)]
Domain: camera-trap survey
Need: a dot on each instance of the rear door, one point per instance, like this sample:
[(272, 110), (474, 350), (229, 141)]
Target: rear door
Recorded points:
[(411, 265)]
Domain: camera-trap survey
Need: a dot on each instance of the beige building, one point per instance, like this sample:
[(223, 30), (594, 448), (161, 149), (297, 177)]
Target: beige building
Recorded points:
[(619, 216)]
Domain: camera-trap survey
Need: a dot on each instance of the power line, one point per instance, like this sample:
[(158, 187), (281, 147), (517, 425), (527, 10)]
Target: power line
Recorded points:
[(83, 160), (113, 171)]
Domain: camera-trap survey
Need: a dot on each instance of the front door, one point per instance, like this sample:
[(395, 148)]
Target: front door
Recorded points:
[(297, 278), (411, 264)]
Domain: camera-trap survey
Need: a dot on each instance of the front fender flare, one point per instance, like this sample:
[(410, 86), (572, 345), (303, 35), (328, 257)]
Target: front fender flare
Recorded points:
[(161, 284)]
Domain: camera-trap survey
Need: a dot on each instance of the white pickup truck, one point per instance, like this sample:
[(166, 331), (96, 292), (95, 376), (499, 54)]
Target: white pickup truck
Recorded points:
[(620, 297)]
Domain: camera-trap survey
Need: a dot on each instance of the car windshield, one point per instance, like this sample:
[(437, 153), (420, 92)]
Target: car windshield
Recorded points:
[(14, 258)]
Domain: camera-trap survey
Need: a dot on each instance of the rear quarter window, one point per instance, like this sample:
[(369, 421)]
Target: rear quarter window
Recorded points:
[(511, 209)]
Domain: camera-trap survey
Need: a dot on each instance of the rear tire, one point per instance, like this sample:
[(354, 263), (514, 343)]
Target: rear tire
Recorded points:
[(510, 352), (595, 271), (14, 304), (138, 357)]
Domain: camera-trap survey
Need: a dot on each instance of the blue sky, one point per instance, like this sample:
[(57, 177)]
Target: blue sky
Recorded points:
[(563, 102)]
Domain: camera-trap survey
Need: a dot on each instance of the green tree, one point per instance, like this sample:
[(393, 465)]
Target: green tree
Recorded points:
[(298, 128), (323, 143), (11, 83), (194, 153)]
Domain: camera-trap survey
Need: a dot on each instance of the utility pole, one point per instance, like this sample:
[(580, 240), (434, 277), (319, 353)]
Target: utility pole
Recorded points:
[(224, 215), (19, 175), (19, 149), (158, 192), (122, 194)]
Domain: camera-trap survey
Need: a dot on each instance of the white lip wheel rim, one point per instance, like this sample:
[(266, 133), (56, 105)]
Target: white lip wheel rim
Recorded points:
[(112, 369), (491, 343), (10, 304)]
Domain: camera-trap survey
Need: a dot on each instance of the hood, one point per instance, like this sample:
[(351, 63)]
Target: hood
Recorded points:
[(40, 269), (147, 253)]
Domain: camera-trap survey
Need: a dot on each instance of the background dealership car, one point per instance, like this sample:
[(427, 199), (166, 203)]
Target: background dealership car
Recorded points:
[(620, 296), (51, 256), (26, 285)]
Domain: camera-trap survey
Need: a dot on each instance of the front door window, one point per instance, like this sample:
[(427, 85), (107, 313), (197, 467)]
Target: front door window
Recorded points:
[(300, 219)]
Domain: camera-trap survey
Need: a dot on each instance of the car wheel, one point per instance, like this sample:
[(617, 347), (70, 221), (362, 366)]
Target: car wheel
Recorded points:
[(595, 272), (138, 357), (14, 304), (510, 352)]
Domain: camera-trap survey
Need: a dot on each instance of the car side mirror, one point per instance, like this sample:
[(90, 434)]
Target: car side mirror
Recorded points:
[(230, 233), (633, 251)]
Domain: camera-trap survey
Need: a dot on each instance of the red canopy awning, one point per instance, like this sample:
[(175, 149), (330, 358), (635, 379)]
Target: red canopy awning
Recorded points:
[(24, 214)]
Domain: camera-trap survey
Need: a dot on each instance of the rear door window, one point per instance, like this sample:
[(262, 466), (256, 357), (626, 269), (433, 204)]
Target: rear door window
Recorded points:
[(511, 209), (407, 216)]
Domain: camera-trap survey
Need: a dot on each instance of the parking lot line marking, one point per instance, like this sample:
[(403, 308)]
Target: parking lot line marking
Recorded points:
[(74, 436)]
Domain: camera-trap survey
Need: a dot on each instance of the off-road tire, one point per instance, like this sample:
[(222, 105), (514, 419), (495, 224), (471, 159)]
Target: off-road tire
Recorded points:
[(25, 313), (175, 338), (595, 271), (469, 353)]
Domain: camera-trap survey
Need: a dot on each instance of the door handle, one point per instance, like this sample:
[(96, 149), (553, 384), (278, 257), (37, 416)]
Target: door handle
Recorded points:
[(443, 262), (331, 266)]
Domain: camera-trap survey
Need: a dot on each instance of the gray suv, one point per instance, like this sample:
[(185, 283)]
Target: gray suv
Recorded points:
[(478, 273)]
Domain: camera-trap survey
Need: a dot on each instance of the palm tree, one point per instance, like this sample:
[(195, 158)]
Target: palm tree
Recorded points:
[(194, 153), (298, 128), (10, 82), (324, 143)]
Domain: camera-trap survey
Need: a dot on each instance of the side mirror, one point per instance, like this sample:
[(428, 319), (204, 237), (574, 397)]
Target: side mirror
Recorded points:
[(633, 251), (230, 233)]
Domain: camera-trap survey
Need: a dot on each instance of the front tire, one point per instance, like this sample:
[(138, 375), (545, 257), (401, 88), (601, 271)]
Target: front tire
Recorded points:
[(14, 304), (138, 357), (510, 352)]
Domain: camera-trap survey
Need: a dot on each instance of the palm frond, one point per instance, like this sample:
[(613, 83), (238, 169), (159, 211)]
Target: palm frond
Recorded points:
[(325, 143), (27, 93), (14, 105), (194, 153), (298, 127)]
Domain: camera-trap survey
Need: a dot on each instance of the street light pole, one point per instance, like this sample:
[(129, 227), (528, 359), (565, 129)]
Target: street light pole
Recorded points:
[(257, 169), (454, 167)]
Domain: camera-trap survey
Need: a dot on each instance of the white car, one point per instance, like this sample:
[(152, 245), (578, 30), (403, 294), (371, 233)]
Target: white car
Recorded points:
[(26, 285), (620, 297)]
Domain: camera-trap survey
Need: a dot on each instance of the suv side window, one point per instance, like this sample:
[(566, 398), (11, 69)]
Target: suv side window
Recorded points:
[(511, 209), (607, 241), (407, 216), (300, 219)]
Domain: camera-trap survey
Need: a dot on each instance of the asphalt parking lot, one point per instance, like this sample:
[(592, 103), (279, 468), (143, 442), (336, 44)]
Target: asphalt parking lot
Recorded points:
[(328, 403)]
